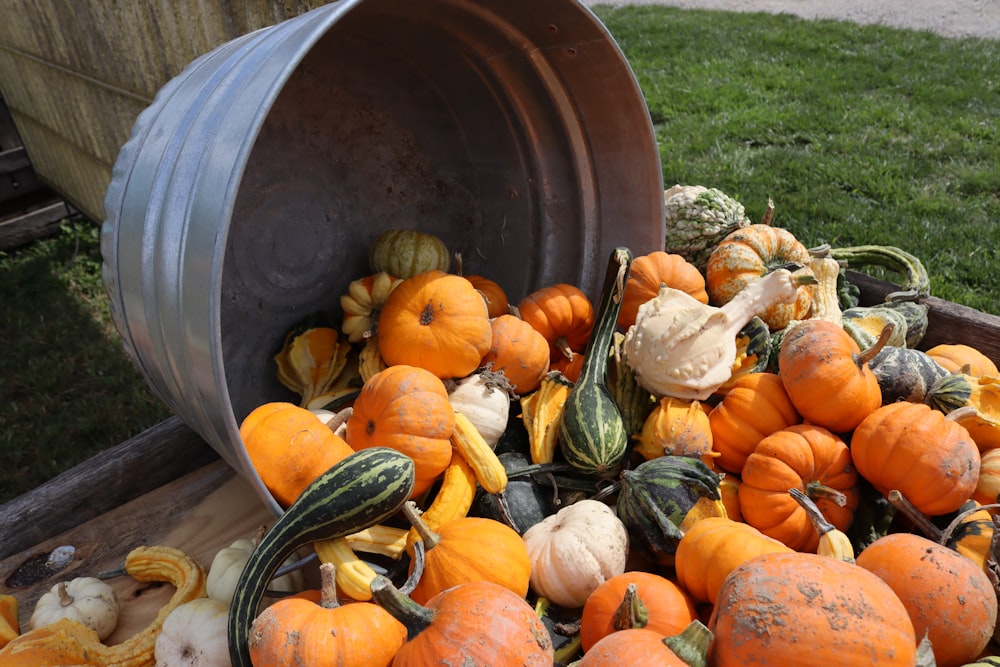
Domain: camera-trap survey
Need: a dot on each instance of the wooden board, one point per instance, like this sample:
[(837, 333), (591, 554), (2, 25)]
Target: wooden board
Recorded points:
[(199, 513)]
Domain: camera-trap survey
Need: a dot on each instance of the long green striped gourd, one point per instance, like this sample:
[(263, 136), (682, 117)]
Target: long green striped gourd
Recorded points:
[(592, 434), (912, 271), (360, 491)]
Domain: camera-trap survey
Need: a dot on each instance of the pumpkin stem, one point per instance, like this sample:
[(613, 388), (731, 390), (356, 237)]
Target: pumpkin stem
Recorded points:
[(418, 568), (768, 213), (429, 537), (867, 355), (328, 586), (821, 523), (816, 490), (562, 345), (65, 599), (961, 413), (632, 612), (692, 644), (414, 616), (919, 519)]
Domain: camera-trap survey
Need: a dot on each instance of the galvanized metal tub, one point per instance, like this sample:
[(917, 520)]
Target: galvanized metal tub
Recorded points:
[(250, 190)]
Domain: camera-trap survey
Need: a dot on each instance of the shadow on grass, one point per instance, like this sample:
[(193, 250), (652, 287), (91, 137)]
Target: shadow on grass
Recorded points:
[(67, 388)]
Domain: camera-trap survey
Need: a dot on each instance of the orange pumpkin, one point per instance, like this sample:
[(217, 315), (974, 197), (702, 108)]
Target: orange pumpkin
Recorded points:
[(437, 321), (803, 609), (650, 271), (953, 357), (570, 368), (519, 351), (563, 314), (655, 603), (641, 647), (475, 623), (948, 596), (405, 408), (755, 406), (495, 297), (289, 447), (470, 549), (677, 426), (747, 255), (988, 483), (913, 448), (712, 548), (808, 458), (826, 375), (296, 630)]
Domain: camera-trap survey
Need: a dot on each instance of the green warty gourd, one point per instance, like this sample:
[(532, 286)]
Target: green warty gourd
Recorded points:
[(697, 219)]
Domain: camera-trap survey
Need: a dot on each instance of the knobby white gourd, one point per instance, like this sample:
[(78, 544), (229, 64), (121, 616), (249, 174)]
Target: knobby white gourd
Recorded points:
[(683, 348)]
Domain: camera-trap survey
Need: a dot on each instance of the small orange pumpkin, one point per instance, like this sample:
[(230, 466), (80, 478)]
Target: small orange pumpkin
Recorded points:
[(563, 314), (296, 630), (650, 271), (827, 376), (289, 447), (988, 483), (677, 426), (778, 608), (641, 647), (808, 458), (437, 321), (953, 357), (405, 408), (712, 548), (948, 596), (655, 603), (519, 351), (747, 255), (495, 297), (755, 406), (911, 447)]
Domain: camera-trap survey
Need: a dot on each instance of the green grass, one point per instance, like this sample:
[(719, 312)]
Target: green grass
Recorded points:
[(859, 134)]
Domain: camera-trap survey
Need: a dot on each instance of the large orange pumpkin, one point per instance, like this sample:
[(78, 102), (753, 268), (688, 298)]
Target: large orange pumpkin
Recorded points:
[(954, 356), (650, 271), (437, 321), (289, 447), (755, 406), (826, 375), (918, 451), (948, 596), (808, 610), (808, 458), (519, 351), (406, 408)]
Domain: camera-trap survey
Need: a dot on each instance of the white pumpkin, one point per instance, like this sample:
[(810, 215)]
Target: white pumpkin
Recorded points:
[(85, 599), (194, 634), (228, 563), (575, 550), (484, 404)]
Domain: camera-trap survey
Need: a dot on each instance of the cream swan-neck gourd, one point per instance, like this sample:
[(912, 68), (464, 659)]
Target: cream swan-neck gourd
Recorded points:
[(682, 348)]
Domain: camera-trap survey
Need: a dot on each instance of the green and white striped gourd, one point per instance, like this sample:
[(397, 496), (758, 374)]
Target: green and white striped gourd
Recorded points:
[(360, 491), (593, 437)]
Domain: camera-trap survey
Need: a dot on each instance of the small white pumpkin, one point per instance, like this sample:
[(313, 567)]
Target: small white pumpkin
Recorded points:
[(484, 403), (575, 550), (85, 599), (194, 634), (228, 564)]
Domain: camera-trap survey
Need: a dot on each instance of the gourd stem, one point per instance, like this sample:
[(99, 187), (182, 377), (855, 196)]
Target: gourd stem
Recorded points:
[(961, 413), (692, 644), (414, 617), (820, 522), (919, 519), (867, 355), (817, 490), (418, 568), (632, 612), (65, 599), (429, 537), (328, 586)]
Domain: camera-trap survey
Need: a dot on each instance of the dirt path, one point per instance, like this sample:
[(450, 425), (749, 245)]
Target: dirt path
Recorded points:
[(952, 18)]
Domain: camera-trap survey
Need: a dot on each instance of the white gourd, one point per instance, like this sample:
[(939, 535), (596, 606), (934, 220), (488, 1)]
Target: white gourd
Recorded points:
[(85, 599), (575, 550), (485, 405), (194, 634), (683, 348), (227, 565)]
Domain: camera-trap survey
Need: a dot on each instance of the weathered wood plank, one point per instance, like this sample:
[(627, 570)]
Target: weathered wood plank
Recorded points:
[(111, 478), (31, 225)]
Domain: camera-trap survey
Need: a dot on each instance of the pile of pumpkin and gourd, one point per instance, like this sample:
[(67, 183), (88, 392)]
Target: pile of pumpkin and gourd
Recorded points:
[(779, 477)]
